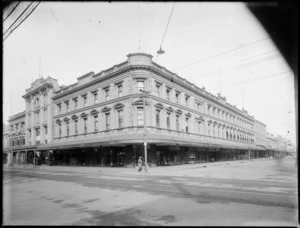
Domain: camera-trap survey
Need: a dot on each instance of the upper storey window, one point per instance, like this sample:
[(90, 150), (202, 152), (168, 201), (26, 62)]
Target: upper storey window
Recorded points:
[(67, 106), (157, 89), (168, 90), (59, 108), (84, 97), (140, 86), (177, 96), (120, 89), (75, 103), (95, 96), (106, 91), (37, 102), (187, 98)]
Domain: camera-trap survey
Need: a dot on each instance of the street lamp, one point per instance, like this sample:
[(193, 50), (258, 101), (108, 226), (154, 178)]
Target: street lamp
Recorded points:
[(145, 93)]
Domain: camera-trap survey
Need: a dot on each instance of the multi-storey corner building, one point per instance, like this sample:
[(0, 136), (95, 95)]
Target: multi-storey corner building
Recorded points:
[(100, 120)]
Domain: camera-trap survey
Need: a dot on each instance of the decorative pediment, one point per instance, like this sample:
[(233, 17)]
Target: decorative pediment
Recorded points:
[(84, 114), (159, 106), (58, 121), (66, 119), (106, 109), (74, 117), (139, 102), (199, 118), (170, 109), (178, 111), (94, 112), (119, 106), (188, 115)]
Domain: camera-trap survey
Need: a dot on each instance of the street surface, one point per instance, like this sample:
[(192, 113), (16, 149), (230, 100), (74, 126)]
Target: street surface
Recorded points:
[(261, 192)]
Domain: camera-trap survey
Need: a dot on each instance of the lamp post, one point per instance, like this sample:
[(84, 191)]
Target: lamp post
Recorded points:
[(145, 93)]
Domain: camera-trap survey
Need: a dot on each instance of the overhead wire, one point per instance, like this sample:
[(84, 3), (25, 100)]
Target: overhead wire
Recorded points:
[(11, 11), (222, 53), (255, 79), (166, 29), (17, 18), (22, 20), (237, 63)]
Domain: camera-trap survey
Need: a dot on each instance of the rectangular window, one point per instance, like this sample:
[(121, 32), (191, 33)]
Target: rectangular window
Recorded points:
[(107, 121), (84, 101), (59, 130), (67, 106), (157, 90), (85, 125), (120, 118), (120, 90), (37, 117), (157, 118), (168, 120), (76, 126), (45, 115), (177, 122), (75, 103), (168, 94), (199, 127), (37, 102), (68, 128), (187, 100), (187, 124), (140, 86), (96, 123), (95, 94), (177, 97), (37, 132), (106, 94), (140, 115), (45, 99), (59, 108)]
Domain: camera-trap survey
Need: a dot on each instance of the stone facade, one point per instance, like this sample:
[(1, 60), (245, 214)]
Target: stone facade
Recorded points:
[(104, 113)]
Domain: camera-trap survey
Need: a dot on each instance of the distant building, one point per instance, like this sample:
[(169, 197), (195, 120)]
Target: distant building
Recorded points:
[(100, 120)]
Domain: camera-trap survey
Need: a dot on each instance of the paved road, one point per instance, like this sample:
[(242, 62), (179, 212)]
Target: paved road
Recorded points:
[(160, 199)]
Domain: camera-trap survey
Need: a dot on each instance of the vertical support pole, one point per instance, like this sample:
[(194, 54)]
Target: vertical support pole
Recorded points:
[(26, 157), (19, 158), (145, 140), (34, 157)]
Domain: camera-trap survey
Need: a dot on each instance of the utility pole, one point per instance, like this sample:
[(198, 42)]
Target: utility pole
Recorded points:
[(145, 131)]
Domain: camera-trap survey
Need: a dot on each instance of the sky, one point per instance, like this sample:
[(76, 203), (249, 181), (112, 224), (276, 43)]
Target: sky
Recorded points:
[(220, 46)]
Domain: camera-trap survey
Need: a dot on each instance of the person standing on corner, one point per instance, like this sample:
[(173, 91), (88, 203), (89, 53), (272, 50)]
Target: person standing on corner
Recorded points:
[(140, 163)]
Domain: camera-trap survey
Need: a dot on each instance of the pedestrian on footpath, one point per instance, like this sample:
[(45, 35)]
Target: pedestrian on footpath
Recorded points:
[(140, 164)]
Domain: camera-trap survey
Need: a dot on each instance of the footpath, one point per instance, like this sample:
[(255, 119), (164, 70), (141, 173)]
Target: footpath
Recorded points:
[(225, 169)]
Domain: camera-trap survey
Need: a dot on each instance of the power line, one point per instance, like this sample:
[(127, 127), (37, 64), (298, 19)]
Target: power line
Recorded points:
[(255, 79), (18, 18), (222, 53), (22, 20), (12, 11), (166, 28), (235, 63)]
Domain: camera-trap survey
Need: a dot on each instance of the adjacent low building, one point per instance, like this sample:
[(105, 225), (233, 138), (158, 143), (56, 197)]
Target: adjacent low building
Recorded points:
[(108, 118)]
